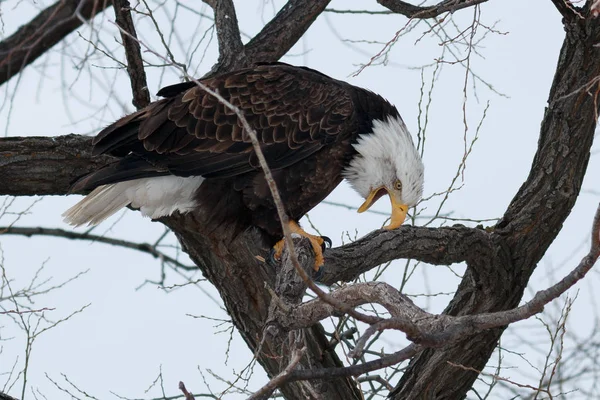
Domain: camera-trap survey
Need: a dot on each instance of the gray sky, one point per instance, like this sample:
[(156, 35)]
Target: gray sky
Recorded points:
[(121, 341)]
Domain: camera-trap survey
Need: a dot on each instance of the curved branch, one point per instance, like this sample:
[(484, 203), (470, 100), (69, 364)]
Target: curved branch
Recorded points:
[(439, 246), (143, 247), (44, 165), (284, 30), (421, 327), (418, 12), (313, 311), (531, 222), (44, 31), (354, 370)]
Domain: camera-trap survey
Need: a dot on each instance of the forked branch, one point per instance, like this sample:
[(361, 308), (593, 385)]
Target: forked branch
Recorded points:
[(48, 28)]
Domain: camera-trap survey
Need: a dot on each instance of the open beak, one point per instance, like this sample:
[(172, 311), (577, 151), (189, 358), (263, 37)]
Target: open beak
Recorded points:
[(398, 210)]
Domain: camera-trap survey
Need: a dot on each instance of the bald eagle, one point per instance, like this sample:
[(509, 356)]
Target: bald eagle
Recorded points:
[(187, 150)]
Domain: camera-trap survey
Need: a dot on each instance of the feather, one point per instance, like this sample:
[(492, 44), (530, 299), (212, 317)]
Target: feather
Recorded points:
[(97, 206), (155, 197)]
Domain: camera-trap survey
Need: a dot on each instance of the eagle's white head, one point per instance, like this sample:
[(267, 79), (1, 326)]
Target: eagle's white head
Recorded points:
[(387, 162)]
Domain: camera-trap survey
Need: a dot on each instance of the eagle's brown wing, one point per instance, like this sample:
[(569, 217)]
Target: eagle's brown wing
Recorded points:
[(294, 111)]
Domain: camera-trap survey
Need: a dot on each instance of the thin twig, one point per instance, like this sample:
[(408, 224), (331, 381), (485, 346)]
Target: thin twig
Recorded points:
[(143, 247), (277, 381), (499, 378)]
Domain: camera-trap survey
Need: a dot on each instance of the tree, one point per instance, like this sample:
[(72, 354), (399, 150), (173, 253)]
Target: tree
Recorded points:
[(449, 349)]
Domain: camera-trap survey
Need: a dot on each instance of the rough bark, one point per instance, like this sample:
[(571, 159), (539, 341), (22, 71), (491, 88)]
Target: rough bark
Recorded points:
[(530, 224), (499, 262), (44, 31), (133, 54), (411, 11), (242, 280), (231, 48), (45, 165)]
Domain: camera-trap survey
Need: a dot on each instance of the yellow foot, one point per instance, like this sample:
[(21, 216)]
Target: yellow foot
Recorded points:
[(317, 243)]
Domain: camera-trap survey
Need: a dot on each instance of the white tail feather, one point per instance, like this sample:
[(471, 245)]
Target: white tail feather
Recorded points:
[(97, 206), (156, 197)]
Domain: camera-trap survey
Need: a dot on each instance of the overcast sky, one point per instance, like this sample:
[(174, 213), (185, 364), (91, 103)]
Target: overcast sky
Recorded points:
[(131, 330)]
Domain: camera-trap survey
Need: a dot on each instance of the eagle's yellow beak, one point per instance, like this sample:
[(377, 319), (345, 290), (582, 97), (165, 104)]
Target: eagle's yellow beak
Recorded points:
[(399, 210)]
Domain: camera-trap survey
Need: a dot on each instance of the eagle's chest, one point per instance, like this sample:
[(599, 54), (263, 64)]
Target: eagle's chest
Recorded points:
[(302, 185)]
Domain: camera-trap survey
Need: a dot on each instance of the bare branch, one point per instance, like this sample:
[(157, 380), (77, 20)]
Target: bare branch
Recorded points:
[(397, 304), (135, 64), (567, 10), (423, 327), (4, 396), (283, 376), (358, 369), (45, 165), (439, 246), (44, 31), (530, 224), (143, 247), (420, 326), (39, 310), (188, 395), (284, 30), (496, 377), (418, 12), (231, 49)]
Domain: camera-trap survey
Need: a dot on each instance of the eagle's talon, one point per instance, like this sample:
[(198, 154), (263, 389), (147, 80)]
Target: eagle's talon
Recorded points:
[(327, 243), (272, 259), (275, 253), (317, 274)]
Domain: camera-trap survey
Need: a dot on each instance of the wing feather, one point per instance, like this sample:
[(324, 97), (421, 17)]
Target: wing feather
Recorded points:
[(295, 112)]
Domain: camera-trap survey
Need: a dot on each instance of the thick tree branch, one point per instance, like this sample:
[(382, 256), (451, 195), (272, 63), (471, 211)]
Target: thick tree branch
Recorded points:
[(135, 64), (4, 396), (231, 48), (276, 38), (45, 165), (421, 327), (411, 11), (567, 10), (284, 30), (443, 246), (494, 280), (530, 224), (44, 31)]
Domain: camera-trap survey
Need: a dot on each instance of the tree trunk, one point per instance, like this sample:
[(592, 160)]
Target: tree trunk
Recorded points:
[(496, 281)]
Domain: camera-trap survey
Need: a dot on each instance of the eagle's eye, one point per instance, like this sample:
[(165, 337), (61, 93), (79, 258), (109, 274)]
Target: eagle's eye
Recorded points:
[(398, 185)]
